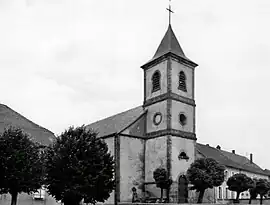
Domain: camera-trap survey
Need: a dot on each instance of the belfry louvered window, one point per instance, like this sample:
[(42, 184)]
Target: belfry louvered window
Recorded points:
[(182, 82), (156, 81)]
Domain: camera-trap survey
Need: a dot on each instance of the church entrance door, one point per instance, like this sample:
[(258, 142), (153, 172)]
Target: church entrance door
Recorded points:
[(182, 189)]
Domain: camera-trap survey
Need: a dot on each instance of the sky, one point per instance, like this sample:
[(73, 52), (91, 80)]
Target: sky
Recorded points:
[(73, 62)]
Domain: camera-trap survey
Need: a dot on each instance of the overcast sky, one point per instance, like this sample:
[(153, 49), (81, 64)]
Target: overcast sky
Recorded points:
[(72, 62)]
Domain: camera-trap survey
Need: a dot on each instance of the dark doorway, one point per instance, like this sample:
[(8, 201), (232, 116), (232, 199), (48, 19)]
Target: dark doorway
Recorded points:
[(182, 189)]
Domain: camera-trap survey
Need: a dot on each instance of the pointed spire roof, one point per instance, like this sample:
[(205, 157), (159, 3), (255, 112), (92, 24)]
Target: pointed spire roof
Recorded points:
[(168, 44)]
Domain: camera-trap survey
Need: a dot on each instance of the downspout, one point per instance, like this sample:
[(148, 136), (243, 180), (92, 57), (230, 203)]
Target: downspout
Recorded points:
[(117, 168)]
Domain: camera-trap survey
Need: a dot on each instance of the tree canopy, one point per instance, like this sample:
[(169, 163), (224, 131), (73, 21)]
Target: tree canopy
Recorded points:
[(262, 188), (161, 177), (205, 173), (79, 166), (239, 183), (20, 163)]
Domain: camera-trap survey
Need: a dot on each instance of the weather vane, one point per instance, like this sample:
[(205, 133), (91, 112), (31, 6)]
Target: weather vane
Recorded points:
[(170, 11)]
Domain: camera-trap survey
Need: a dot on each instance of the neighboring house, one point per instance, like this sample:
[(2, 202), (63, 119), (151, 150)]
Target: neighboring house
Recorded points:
[(267, 172), (9, 117), (234, 163)]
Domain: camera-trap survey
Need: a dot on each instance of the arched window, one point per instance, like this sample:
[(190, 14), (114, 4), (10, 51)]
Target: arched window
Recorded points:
[(156, 81), (182, 81), (227, 193)]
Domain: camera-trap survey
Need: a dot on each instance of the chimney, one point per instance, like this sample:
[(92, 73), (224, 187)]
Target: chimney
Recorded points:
[(233, 151), (218, 147), (251, 158)]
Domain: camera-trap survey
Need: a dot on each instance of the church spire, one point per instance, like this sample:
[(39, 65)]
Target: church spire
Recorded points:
[(168, 44)]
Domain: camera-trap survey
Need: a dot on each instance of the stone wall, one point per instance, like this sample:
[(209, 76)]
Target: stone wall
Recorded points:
[(188, 111), (131, 166), (180, 166), (155, 156), (160, 107), (110, 143), (162, 68), (189, 73)]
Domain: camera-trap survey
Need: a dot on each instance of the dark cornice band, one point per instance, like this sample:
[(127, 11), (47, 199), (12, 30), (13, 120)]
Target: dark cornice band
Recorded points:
[(166, 96), (172, 132), (185, 61)]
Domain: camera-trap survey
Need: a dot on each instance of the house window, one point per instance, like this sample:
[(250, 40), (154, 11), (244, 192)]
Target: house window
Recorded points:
[(219, 192), (233, 196), (242, 195), (227, 193), (156, 81), (182, 82), (226, 175), (40, 194)]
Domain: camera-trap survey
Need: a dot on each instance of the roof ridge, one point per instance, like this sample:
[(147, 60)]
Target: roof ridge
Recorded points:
[(36, 125), (242, 166)]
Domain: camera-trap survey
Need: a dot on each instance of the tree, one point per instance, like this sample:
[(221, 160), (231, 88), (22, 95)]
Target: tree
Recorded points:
[(262, 188), (79, 167), (252, 191), (161, 177), (205, 173), (20, 163), (239, 183)]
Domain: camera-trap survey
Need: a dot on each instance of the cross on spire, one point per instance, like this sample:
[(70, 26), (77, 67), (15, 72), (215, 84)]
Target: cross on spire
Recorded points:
[(170, 11)]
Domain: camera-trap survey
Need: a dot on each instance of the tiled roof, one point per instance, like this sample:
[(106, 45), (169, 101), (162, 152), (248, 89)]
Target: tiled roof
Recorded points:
[(116, 123), (9, 117), (267, 172), (229, 159)]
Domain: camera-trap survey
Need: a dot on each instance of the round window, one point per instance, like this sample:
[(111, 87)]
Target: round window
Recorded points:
[(182, 119), (157, 118)]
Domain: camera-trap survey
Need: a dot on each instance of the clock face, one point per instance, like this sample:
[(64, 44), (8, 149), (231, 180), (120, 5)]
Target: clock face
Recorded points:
[(157, 118)]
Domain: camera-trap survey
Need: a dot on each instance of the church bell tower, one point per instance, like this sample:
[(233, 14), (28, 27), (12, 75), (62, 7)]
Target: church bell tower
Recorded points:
[(170, 104)]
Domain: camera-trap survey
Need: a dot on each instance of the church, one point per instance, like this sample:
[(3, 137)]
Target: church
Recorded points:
[(162, 132)]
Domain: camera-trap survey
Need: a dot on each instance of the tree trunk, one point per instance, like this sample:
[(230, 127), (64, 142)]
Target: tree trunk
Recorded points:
[(168, 195), (200, 198), (161, 194), (261, 199), (237, 197), (71, 201), (14, 196), (249, 202)]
